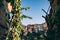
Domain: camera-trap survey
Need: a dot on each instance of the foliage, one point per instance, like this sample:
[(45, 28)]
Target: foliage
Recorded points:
[(16, 21), (16, 27)]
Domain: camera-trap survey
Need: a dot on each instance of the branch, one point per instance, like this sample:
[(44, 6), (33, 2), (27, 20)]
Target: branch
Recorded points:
[(43, 16), (44, 11), (27, 8), (24, 16)]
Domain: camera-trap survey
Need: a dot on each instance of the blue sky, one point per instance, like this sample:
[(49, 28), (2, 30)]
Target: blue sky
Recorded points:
[(35, 11)]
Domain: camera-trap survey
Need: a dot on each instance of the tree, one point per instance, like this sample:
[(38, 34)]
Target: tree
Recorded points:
[(16, 27), (52, 20), (4, 23)]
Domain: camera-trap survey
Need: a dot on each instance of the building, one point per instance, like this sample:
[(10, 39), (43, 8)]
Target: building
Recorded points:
[(24, 28), (35, 26), (30, 27), (38, 26), (44, 24)]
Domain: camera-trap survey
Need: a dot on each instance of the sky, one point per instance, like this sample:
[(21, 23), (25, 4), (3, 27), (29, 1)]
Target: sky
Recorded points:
[(35, 11)]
